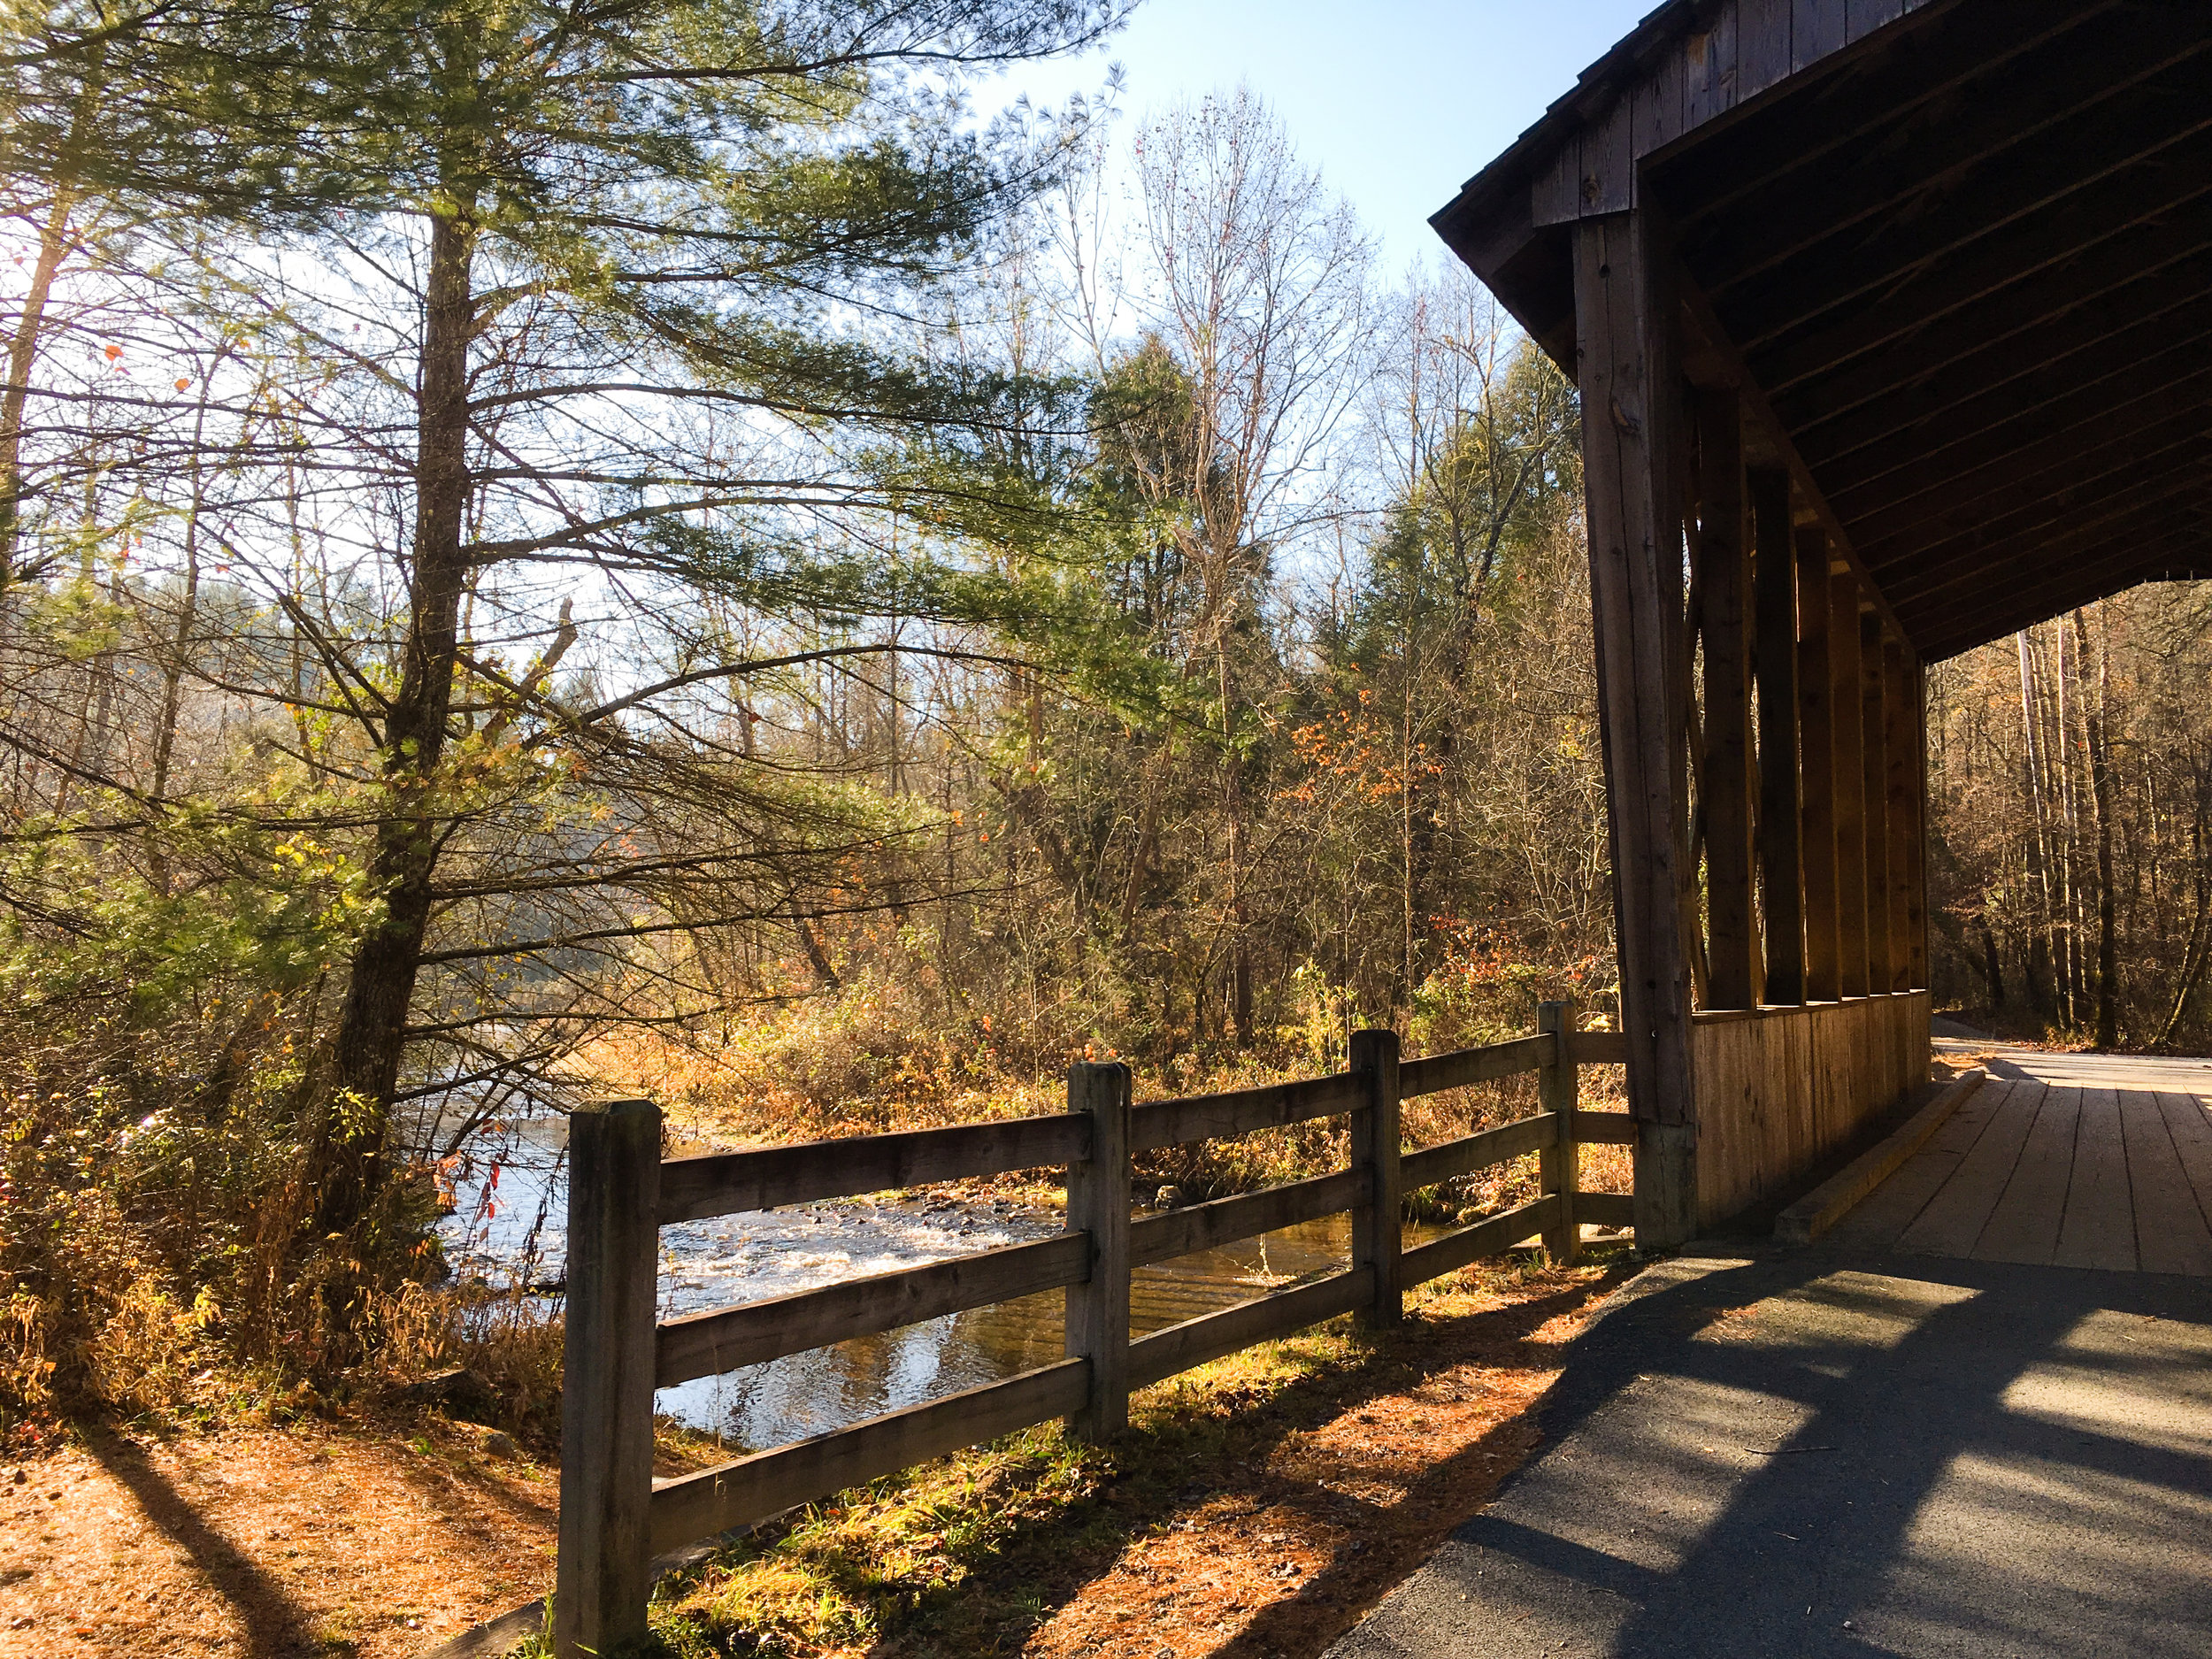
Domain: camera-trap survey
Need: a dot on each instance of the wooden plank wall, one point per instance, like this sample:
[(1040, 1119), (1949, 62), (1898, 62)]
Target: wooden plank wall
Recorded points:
[(1781, 1088), (1734, 51)]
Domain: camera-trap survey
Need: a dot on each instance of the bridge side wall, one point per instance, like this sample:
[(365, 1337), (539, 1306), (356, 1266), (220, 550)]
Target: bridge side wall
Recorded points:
[(1779, 1089)]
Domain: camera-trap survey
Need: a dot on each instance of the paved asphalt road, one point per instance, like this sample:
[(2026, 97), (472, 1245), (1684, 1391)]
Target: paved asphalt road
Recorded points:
[(1803, 1453)]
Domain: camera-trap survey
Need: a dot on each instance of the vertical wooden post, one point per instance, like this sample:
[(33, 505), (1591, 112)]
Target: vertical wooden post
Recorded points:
[(1723, 581), (1874, 737), (1562, 1161), (1900, 743), (1378, 1145), (1919, 694), (1817, 751), (1097, 1323), (1624, 324), (1781, 858), (1850, 750), (604, 1556)]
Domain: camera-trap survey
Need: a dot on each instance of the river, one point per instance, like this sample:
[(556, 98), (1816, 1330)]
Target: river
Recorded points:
[(506, 1228)]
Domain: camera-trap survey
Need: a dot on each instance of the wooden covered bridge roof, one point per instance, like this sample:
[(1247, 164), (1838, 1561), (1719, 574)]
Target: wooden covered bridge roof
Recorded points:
[(1956, 252)]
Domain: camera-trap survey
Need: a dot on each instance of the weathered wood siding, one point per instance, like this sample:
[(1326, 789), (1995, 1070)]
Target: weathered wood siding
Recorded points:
[(1780, 1088)]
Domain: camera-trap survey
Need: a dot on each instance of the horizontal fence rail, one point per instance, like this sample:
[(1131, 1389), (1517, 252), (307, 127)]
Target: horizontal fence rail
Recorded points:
[(707, 1344), (727, 1183), (615, 1516), (1168, 1123)]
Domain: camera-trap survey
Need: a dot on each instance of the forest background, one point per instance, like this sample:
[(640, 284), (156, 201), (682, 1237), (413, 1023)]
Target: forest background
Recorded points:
[(545, 550)]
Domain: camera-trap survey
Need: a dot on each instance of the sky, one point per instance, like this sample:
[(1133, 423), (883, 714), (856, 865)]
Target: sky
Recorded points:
[(1397, 102)]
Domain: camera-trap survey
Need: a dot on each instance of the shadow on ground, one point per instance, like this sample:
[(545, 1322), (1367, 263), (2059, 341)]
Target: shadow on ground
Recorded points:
[(1809, 1454)]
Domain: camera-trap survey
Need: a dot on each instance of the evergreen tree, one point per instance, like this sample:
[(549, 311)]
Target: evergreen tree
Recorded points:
[(645, 283)]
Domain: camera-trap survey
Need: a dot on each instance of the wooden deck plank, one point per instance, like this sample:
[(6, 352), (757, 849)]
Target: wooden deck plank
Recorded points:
[(2025, 1223), (1880, 1222), (2100, 1226), (1955, 1216), (2170, 1232), (2189, 1120)]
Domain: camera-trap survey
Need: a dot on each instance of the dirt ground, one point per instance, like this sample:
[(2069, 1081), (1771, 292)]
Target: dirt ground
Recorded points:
[(1286, 1557), (266, 1543)]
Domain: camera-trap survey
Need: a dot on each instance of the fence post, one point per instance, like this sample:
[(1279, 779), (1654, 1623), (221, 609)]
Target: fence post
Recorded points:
[(1098, 1203), (1377, 1147), (1557, 1086), (603, 1571)]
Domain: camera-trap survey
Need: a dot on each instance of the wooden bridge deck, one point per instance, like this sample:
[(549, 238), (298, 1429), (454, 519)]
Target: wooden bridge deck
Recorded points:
[(2060, 1160)]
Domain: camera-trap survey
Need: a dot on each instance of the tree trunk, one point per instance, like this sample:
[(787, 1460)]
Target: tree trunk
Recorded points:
[(2101, 802), (2199, 950), (53, 247), (372, 1027), (1992, 968), (2039, 929)]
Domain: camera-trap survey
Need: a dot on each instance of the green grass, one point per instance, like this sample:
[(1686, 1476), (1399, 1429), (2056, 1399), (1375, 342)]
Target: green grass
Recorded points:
[(966, 1556)]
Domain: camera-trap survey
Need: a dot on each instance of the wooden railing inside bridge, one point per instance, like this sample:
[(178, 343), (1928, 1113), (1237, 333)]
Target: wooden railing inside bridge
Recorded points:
[(615, 1518)]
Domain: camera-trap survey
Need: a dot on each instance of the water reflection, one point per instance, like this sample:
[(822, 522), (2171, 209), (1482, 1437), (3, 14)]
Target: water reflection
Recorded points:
[(511, 1195)]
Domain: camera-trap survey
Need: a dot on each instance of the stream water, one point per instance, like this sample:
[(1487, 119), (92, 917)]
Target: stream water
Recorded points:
[(506, 1228)]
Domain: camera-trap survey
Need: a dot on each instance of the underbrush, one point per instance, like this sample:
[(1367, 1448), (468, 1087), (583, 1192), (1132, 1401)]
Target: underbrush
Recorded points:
[(876, 1059), (157, 1258)]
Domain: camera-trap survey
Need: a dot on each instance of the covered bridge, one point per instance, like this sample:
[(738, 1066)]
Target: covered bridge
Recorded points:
[(1890, 324)]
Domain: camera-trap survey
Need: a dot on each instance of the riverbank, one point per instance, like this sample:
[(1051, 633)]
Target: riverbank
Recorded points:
[(748, 1093)]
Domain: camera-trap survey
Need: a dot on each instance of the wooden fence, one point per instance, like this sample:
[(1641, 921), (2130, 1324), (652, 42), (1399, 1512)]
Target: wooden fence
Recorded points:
[(615, 1518)]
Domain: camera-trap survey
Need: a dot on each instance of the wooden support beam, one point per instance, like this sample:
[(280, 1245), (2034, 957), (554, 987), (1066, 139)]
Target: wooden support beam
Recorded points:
[(2076, 198), (1849, 751), (1874, 759), (1957, 544), (1970, 399), (1708, 343), (2057, 563), (1626, 369), (1900, 742), (1816, 708), (2021, 413), (1918, 848), (1927, 345), (1723, 621), (1781, 856)]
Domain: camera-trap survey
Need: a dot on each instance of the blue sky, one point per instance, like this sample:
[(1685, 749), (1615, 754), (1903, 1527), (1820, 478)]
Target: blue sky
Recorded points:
[(1396, 100)]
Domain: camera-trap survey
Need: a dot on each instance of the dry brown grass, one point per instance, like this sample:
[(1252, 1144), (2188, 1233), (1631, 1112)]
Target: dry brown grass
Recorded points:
[(752, 1090)]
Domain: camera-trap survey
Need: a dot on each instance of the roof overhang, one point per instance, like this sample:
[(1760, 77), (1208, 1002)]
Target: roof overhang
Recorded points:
[(1957, 254)]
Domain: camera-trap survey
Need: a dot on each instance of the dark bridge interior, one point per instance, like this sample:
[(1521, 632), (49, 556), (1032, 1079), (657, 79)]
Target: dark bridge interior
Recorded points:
[(1963, 260)]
